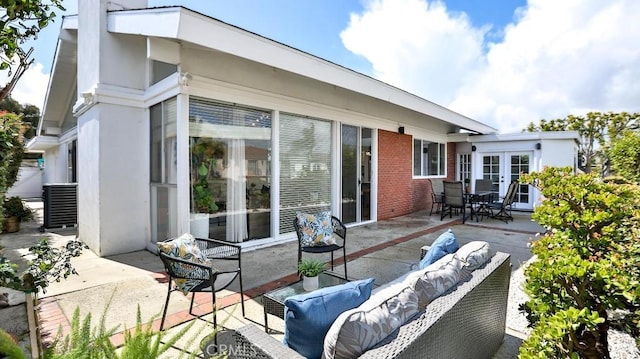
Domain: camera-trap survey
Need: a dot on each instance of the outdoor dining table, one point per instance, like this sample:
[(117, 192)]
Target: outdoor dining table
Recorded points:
[(481, 199)]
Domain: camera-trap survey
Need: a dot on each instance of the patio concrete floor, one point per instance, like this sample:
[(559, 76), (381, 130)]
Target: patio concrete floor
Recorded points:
[(383, 250)]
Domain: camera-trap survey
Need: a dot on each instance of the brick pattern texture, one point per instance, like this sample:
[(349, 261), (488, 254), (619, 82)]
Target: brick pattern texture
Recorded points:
[(398, 193)]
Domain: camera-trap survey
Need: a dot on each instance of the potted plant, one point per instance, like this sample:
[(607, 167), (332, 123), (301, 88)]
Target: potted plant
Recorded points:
[(15, 211), (204, 155), (467, 185), (309, 270)]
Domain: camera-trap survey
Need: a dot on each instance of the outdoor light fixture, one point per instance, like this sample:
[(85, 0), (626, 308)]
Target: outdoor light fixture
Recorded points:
[(538, 146), (401, 130), (473, 148)]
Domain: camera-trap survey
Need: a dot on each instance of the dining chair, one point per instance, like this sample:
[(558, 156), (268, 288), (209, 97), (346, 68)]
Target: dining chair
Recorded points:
[(504, 206), (437, 198), (454, 199)]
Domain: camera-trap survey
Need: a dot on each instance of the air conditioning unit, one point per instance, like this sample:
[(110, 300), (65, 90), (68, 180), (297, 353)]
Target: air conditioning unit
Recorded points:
[(60, 205)]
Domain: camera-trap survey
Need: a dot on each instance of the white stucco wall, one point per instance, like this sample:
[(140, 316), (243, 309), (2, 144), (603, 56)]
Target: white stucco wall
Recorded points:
[(113, 180), (557, 153), (55, 164), (28, 184), (287, 85), (124, 179), (113, 130)]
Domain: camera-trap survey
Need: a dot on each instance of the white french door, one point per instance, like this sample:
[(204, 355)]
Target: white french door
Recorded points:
[(502, 168)]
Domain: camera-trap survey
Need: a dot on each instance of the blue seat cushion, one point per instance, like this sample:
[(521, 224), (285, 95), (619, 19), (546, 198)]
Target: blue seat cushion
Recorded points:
[(308, 317), (445, 244)]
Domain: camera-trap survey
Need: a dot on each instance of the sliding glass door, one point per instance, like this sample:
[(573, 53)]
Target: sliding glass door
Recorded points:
[(356, 169)]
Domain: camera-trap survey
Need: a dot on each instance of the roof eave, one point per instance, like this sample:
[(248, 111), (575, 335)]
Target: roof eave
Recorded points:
[(182, 24)]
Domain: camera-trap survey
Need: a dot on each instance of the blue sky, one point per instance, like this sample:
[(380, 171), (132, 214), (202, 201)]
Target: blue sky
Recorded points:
[(503, 62), (309, 25)]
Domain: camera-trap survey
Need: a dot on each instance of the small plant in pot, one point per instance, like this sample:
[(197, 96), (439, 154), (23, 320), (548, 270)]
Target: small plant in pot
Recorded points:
[(309, 270), (15, 211)]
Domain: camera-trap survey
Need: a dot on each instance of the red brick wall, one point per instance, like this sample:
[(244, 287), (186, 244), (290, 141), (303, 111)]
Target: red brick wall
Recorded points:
[(398, 193), (451, 161), (394, 174)]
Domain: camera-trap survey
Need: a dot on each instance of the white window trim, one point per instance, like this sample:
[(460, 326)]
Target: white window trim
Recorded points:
[(414, 176)]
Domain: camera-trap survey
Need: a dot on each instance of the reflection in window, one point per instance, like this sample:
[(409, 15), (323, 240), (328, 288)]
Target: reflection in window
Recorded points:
[(429, 158), (305, 167), (230, 161), (163, 169)]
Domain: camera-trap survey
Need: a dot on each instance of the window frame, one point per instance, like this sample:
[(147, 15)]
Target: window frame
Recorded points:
[(442, 159)]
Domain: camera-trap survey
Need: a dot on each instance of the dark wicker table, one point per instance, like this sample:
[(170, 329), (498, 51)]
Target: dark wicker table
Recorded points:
[(273, 301)]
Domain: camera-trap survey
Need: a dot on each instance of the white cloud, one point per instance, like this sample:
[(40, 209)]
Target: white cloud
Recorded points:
[(31, 87), (416, 46), (557, 58)]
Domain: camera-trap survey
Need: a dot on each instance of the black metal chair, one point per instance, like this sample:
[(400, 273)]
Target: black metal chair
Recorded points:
[(454, 199), (437, 198), (484, 186), (504, 207), (210, 278), (339, 230)]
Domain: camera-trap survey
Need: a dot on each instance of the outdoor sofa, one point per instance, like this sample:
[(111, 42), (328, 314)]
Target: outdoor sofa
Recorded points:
[(467, 321)]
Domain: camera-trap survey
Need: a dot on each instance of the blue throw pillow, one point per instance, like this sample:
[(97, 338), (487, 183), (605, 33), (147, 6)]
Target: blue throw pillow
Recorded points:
[(308, 317), (443, 245)]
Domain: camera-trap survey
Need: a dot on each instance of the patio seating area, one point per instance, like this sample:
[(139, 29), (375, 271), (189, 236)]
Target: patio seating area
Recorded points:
[(384, 250)]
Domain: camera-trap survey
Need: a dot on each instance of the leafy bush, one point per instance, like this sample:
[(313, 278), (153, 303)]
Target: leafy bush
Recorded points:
[(625, 156), (587, 267), (139, 342), (15, 207), (48, 264), (9, 348), (11, 152)]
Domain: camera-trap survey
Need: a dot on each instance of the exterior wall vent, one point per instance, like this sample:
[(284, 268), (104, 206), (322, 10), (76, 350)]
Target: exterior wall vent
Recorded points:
[(60, 205)]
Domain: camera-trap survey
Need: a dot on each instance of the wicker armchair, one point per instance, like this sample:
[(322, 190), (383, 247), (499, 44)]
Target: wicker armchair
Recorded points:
[(210, 279), (339, 230)]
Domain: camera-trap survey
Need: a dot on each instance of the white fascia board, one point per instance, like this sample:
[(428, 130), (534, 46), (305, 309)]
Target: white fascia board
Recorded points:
[(527, 136), (42, 143), (69, 22), (185, 25), (160, 22), (59, 74)]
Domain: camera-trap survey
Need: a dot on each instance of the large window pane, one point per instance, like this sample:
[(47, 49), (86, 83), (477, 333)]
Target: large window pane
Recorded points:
[(156, 143), (305, 167), (417, 157), (230, 159), (349, 172), (163, 167), (429, 158)]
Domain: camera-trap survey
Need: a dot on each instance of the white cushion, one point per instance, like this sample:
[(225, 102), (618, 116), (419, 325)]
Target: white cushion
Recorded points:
[(359, 329), (435, 279), (474, 254)]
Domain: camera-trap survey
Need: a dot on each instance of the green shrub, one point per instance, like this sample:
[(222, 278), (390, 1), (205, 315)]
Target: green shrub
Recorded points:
[(15, 207), (9, 348), (588, 265), (11, 152), (85, 342)]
